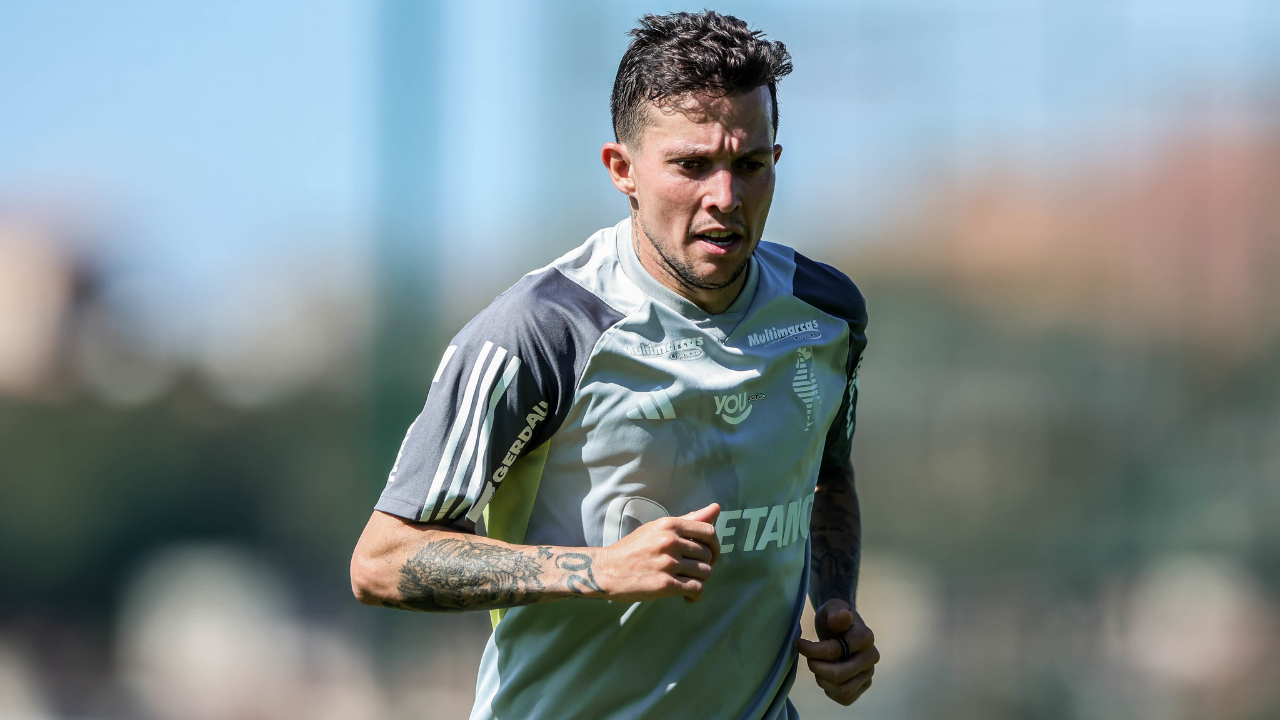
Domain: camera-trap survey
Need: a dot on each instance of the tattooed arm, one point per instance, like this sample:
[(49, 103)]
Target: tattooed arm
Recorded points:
[(836, 533), (842, 667), (416, 566)]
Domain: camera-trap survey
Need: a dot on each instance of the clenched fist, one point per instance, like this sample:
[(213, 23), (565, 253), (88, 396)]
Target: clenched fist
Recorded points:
[(844, 677), (665, 557)]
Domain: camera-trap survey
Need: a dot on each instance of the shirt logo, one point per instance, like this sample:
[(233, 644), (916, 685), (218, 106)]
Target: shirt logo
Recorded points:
[(735, 408), (805, 383), (535, 416), (807, 330), (655, 405), (783, 525), (689, 348)]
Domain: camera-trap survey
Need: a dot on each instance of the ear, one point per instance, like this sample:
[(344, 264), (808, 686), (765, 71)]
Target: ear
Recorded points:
[(777, 153), (617, 159)]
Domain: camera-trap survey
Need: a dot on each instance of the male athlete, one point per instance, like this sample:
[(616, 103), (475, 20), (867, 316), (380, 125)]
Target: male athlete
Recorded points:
[(655, 428)]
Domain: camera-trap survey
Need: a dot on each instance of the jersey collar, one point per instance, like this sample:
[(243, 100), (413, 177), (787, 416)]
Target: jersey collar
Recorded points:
[(637, 274)]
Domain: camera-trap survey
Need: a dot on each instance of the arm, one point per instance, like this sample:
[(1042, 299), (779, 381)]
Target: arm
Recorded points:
[(836, 532), (836, 545), (417, 566)]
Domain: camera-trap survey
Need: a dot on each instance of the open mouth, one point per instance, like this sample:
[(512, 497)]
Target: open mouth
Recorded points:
[(723, 240)]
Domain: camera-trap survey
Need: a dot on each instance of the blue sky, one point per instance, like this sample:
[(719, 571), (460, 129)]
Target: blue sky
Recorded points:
[(228, 137)]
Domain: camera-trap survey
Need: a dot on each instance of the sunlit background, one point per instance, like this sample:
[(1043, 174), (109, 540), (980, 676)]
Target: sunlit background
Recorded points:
[(234, 237)]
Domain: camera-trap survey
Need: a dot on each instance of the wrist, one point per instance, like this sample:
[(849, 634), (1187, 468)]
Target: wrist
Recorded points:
[(602, 567), (580, 572)]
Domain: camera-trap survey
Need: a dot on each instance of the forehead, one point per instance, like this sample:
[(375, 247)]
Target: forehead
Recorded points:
[(728, 122)]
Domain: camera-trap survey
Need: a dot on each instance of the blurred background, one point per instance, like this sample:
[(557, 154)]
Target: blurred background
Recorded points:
[(234, 238)]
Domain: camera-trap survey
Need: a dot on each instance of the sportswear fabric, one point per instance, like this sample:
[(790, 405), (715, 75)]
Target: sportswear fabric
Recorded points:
[(588, 399)]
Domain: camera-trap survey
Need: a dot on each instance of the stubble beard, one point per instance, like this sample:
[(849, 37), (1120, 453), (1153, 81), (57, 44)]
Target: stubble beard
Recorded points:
[(683, 271)]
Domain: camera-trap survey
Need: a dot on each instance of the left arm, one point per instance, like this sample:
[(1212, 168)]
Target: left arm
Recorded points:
[(845, 655), (836, 536), (836, 545)]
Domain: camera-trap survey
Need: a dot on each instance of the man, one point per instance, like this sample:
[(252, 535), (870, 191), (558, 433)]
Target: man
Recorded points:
[(642, 425)]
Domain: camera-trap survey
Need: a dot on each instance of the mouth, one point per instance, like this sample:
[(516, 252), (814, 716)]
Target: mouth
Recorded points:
[(719, 242)]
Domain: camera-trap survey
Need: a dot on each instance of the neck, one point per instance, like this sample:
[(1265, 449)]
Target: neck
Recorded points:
[(713, 300)]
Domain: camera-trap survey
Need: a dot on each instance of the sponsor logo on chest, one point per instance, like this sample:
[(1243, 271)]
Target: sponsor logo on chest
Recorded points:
[(735, 408), (689, 348), (807, 330)]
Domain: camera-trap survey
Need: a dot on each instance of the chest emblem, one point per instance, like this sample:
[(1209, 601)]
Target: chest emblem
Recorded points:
[(805, 383), (733, 409)]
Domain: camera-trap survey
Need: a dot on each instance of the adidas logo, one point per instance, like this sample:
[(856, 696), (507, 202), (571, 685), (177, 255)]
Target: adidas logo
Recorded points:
[(655, 405)]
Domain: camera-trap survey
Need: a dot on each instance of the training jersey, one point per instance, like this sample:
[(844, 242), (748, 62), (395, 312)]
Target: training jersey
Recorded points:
[(589, 399)]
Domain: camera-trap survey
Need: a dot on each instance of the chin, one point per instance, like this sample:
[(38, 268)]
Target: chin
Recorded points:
[(718, 275)]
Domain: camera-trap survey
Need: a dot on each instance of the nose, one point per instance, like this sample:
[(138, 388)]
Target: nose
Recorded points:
[(721, 194)]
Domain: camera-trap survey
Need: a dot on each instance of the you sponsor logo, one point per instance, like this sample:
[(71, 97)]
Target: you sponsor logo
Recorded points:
[(735, 408)]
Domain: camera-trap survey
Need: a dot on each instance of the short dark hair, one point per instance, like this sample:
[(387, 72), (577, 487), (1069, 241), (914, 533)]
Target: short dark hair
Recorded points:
[(680, 53)]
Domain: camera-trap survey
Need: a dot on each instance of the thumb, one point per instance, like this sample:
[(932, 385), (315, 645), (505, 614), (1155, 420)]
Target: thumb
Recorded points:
[(707, 514), (840, 620)]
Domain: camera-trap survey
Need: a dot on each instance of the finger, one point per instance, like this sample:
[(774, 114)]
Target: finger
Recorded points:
[(857, 694), (844, 670), (693, 550), (860, 637), (828, 650), (690, 588), (707, 514), (847, 692), (840, 620), (693, 569), (824, 615), (704, 533)]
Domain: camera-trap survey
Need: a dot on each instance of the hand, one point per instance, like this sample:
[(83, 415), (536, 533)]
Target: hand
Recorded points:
[(669, 556), (844, 680)]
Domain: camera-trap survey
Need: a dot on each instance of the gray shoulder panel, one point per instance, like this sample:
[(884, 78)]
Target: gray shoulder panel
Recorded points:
[(504, 386)]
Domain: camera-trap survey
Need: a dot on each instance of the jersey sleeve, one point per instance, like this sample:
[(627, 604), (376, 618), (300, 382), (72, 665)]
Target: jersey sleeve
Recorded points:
[(501, 390), (832, 292)]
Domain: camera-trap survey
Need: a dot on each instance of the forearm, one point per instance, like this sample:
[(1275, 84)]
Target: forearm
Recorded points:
[(836, 537), (432, 569)]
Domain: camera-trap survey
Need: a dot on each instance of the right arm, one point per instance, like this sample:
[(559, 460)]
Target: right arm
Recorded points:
[(418, 566), (502, 388)]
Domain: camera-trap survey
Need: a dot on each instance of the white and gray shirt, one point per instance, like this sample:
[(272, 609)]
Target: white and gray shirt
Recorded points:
[(588, 399)]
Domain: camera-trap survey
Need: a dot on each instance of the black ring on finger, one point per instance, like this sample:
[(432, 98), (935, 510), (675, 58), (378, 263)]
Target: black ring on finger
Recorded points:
[(844, 646)]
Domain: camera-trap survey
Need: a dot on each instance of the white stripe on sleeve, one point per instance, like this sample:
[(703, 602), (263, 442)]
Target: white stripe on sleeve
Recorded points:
[(468, 449), (455, 432), (477, 475), (448, 353)]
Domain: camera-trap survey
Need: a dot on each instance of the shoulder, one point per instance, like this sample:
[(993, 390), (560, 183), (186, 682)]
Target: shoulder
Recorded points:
[(545, 308), (824, 287)]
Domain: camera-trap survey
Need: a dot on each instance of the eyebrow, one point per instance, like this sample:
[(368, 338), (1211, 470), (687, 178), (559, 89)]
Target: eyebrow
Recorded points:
[(696, 151)]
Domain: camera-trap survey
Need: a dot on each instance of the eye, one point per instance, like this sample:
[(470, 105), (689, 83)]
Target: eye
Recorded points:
[(751, 165), (689, 164)]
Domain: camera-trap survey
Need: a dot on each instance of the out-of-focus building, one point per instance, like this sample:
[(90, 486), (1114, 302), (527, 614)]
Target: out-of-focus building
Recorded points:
[(1184, 246), (37, 295)]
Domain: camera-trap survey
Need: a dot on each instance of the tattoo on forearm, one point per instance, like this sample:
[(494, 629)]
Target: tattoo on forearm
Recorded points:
[(455, 574), (580, 579), (836, 532), (459, 574)]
